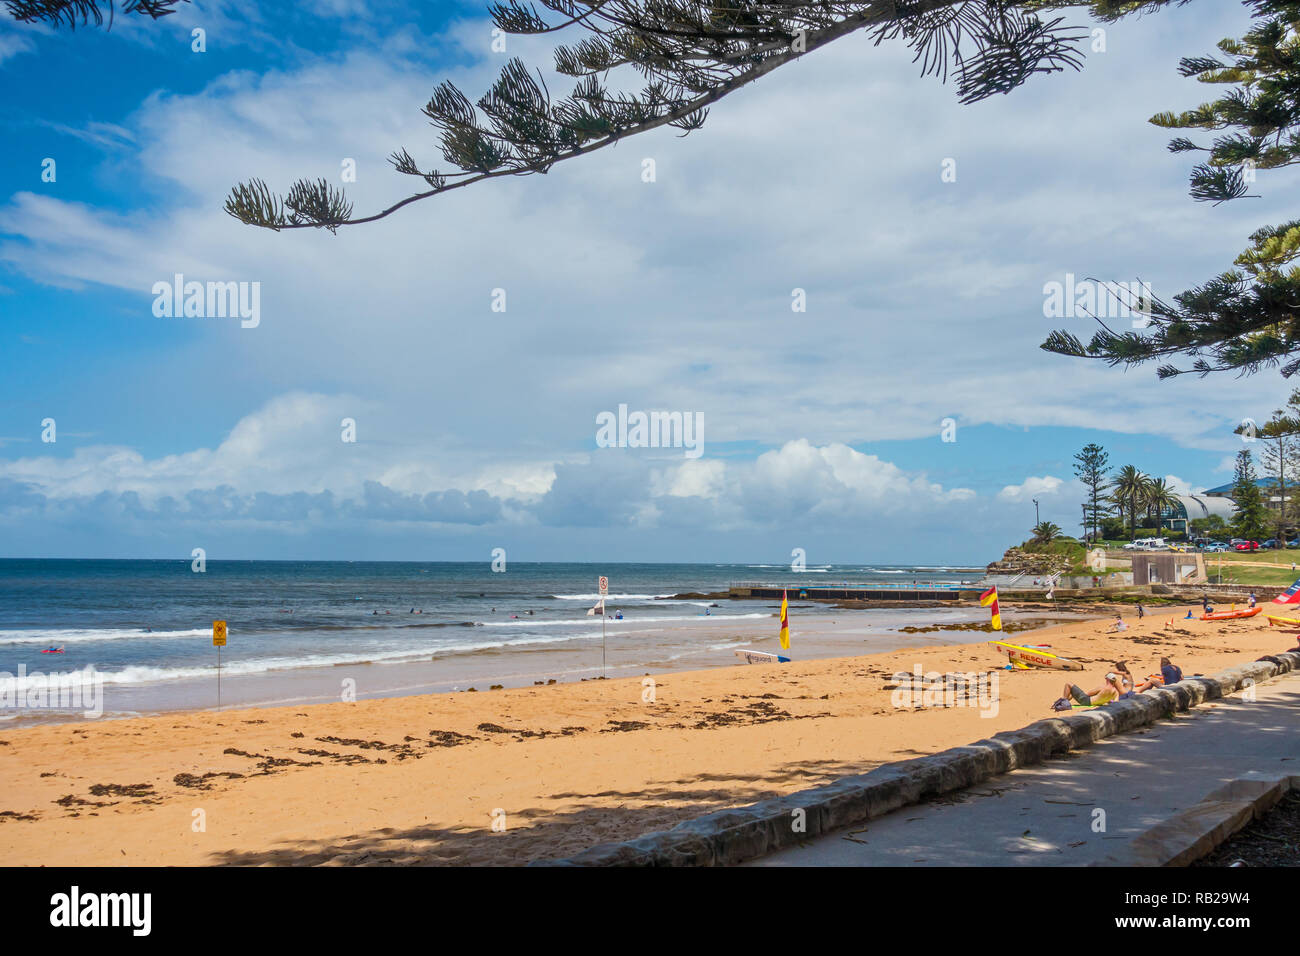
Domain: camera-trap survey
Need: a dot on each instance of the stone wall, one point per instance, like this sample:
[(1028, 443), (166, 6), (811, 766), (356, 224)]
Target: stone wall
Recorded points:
[(728, 837)]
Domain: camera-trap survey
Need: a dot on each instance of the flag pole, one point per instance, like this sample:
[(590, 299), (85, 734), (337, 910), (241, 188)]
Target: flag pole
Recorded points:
[(602, 586)]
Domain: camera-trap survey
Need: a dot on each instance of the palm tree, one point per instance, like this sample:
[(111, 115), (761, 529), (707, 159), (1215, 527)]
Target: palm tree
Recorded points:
[(1158, 497), (1128, 493), (1045, 532)]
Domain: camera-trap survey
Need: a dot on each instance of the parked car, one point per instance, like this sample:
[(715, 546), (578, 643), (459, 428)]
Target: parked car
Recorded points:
[(1248, 546), (1270, 543)]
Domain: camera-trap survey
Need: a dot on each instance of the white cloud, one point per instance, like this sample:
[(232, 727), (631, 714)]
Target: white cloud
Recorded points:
[(1182, 487), (924, 298), (13, 43), (1031, 488), (619, 289)]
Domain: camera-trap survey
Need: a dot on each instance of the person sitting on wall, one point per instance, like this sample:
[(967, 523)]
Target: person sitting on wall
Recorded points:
[(1129, 685)]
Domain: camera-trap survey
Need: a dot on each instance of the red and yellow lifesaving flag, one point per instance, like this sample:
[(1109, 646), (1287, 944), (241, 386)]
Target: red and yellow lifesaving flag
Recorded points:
[(990, 599), (785, 623)]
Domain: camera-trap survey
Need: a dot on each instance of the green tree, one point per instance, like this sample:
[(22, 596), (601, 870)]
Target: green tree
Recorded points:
[(1247, 318), (1127, 492), (1211, 527), (1091, 467), (1112, 527), (1280, 438), (1250, 521), (1045, 532), (1157, 498)]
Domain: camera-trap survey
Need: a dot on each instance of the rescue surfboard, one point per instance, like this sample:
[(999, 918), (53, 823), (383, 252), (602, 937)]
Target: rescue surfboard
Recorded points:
[(761, 657), (1037, 657)]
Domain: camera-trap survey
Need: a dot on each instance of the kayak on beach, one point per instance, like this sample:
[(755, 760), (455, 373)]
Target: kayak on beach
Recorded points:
[(1231, 615), (1023, 656)]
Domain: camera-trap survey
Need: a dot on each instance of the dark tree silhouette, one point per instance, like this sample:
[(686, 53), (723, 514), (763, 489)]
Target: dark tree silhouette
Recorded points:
[(689, 55), (70, 12), (1248, 318)]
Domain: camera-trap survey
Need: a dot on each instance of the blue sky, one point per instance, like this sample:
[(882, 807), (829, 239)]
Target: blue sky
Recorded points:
[(476, 429)]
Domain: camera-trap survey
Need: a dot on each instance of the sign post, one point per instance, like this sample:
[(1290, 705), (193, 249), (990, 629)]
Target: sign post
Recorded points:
[(218, 641), (604, 589)]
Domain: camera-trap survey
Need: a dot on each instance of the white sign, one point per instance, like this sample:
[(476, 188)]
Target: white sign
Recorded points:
[(604, 585)]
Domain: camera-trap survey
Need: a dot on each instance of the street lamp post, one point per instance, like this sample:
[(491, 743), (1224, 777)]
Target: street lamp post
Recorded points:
[(1036, 520)]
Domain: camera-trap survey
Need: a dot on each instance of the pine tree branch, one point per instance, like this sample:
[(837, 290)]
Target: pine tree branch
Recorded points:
[(69, 12), (692, 55)]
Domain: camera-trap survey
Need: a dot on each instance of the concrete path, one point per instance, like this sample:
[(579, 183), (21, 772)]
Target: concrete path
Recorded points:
[(1044, 815)]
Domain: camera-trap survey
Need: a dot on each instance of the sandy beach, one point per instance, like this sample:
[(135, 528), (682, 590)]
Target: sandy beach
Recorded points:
[(556, 767)]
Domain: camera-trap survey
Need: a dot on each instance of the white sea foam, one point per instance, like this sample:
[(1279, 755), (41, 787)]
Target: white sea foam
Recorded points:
[(596, 619), (60, 636), (609, 597), (148, 674)]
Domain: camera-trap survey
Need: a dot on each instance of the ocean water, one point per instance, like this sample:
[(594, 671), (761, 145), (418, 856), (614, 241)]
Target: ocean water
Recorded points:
[(146, 626)]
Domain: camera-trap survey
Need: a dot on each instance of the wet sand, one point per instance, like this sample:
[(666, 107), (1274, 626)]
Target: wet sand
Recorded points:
[(557, 767)]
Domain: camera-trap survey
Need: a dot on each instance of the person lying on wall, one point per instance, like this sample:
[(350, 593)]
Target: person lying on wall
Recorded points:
[(1112, 688)]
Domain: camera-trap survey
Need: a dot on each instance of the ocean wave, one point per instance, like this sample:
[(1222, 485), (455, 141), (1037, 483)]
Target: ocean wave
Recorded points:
[(151, 674), (60, 636), (596, 619)]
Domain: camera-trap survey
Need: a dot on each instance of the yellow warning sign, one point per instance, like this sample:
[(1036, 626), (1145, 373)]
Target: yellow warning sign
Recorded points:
[(218, 633)]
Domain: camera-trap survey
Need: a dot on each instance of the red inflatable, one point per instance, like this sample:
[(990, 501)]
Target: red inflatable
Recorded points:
[(1290, 596)]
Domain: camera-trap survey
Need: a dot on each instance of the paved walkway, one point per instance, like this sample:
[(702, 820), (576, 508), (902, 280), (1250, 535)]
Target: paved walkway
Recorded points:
[(1043, 815)]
